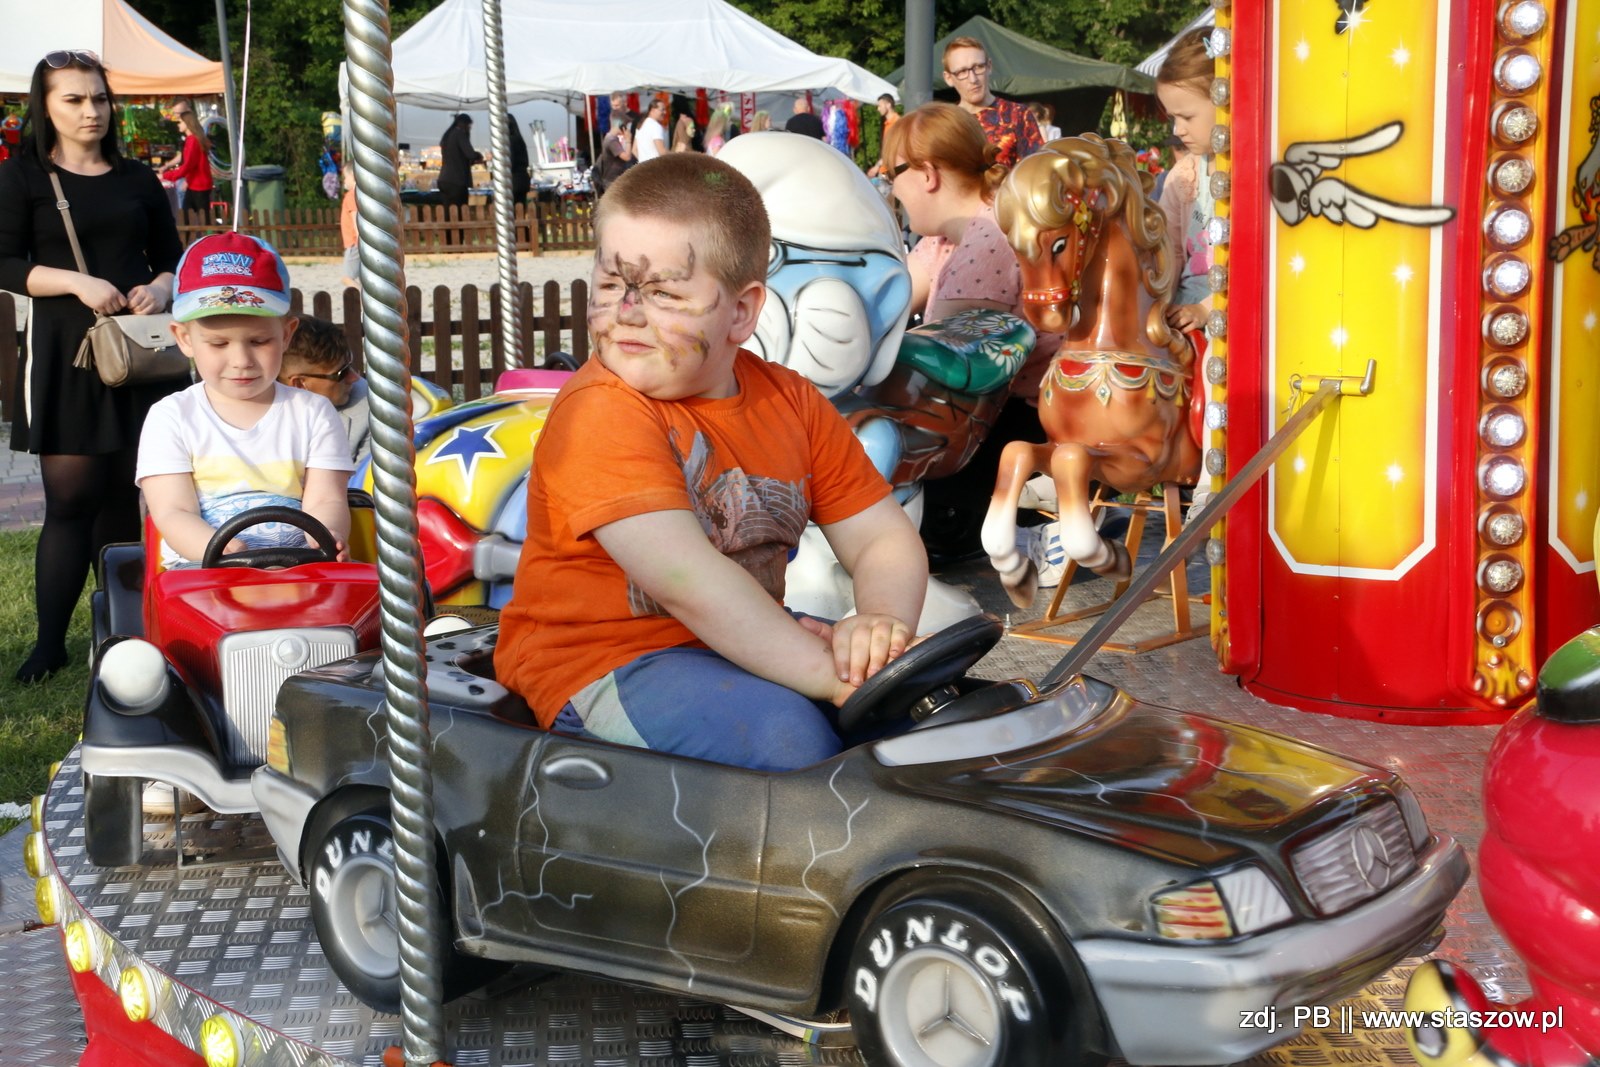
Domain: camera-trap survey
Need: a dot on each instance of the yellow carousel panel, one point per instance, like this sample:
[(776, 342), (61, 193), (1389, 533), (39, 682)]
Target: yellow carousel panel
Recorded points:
[(1357, 188), (1575, 308)]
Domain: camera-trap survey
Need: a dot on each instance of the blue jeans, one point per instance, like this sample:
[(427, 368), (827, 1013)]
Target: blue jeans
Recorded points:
[(693, 702)]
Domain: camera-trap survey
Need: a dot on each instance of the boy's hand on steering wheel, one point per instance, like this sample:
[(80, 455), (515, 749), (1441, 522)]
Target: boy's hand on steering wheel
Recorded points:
[(863, 644)]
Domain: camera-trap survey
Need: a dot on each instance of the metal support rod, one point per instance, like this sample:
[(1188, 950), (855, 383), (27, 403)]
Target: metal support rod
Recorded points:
[(917, 89), (230, 108), (1325, 392), (372, 110), (505, 227)]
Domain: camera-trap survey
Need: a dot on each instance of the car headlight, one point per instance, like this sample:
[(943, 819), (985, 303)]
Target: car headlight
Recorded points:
[(278, 745), (1243, 901), (1192, 913), (133, 676), (1416, 822), (1253, 900)]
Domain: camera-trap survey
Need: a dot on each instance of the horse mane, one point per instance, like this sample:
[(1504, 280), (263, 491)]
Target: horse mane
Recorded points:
[(1033, 198)]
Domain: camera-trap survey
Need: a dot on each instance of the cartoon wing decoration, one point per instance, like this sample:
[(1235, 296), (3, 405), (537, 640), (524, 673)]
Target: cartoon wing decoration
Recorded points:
[(1302, 189)]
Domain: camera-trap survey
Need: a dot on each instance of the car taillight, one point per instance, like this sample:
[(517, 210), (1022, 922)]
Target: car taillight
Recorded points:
[(1192, 913), (277, 746)]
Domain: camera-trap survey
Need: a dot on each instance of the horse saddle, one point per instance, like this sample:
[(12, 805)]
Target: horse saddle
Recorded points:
[(972, 352)]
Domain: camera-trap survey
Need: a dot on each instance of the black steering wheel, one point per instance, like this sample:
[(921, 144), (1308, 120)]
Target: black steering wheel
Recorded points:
[(327, 549), (939, 660)]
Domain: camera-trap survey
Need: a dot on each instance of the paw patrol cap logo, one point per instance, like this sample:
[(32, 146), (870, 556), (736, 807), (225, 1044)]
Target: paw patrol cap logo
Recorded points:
[(230, 274)]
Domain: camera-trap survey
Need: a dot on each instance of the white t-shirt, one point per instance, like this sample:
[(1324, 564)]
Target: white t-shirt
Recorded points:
[(644, 141), (235, 470)]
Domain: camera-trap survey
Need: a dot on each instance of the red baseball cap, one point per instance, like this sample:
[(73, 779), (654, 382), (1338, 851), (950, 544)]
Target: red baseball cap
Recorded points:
[(230, 274)]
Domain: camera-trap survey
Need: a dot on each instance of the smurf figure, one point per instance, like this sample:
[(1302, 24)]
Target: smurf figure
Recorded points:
[(839, 295), (837, 264), (1540, 884)]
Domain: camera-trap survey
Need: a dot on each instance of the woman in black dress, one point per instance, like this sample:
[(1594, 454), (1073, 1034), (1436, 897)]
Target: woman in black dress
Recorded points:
[(86, 435)]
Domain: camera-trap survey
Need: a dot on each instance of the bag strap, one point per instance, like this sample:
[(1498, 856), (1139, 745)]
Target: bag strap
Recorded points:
[(66, 217)]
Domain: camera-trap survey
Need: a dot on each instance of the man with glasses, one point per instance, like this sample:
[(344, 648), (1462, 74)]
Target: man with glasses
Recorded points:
[(1008, 126)]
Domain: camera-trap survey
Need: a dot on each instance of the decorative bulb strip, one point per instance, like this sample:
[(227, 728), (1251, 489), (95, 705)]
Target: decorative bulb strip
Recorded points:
[(1513, 291)]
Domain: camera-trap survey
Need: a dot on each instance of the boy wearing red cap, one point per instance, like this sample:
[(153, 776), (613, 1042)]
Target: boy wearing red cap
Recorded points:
[(237, 439)]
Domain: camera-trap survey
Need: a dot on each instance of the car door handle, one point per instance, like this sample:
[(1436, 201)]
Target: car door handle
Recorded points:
[(578, 772)]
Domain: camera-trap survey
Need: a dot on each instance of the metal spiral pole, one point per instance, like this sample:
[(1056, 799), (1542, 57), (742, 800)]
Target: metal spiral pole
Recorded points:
[(372, 112), (505, 232)]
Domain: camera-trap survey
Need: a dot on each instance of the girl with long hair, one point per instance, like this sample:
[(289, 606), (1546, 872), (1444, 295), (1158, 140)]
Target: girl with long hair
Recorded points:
[(1183, 85), (194, 165)]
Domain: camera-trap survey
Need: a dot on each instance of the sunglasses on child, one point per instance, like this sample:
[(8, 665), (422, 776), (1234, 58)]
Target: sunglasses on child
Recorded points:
[(65, 56), (338, 375)]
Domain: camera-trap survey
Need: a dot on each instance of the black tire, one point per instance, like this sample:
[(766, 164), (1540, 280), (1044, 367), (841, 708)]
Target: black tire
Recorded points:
[(354, 906), (113, 820), (954, 976)]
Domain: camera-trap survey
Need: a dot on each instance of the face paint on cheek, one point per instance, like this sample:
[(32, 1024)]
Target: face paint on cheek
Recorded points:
[(685, 345)]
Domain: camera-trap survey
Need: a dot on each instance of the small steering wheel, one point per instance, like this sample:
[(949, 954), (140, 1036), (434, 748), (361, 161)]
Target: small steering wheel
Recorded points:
[(939, 660), (327, 549)]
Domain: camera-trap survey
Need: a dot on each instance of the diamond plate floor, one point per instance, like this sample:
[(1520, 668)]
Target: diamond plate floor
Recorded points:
[(241, 935)]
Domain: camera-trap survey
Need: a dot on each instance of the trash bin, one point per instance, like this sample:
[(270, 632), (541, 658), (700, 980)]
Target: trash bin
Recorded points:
[(263, 187)]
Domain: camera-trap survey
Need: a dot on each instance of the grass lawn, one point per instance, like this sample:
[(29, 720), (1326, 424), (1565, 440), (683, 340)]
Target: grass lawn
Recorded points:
[(38, 723)]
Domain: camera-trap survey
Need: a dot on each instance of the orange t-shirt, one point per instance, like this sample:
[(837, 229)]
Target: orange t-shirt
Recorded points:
[(753, 468)]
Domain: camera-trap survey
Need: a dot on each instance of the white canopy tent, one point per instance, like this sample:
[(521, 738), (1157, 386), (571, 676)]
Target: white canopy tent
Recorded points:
[(1151, 64), (565, 48), (140, 59)]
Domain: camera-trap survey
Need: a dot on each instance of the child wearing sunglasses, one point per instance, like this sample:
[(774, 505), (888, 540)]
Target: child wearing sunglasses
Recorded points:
[(318, 359)]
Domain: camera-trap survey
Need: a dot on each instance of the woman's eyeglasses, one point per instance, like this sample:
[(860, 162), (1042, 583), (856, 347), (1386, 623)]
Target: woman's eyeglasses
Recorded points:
[(336, 376), (898, 169), (65, 56)]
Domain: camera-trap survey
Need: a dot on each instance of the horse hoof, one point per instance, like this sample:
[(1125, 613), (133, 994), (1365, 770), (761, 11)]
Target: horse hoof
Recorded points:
[(1023, 587), (1121, 565)]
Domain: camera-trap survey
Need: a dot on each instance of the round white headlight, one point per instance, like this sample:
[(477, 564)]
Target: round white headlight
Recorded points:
[(133, 674)]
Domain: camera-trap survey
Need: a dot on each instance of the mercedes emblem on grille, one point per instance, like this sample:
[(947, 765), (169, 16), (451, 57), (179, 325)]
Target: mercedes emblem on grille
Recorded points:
[(1371, 857)]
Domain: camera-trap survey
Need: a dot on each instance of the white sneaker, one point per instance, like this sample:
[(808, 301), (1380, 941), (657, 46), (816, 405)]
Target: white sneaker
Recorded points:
[(1043, 546), (1039, 494), (158, 800)]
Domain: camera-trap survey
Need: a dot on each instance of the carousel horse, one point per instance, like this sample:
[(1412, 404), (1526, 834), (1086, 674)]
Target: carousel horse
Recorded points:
[(1118, 402)]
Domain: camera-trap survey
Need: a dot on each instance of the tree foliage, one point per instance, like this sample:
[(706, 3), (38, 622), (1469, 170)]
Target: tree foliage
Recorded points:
[(296, 48), (1118, 31), (295, 52)]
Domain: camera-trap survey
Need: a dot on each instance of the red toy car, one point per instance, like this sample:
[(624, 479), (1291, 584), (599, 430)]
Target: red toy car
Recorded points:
[(188, 663)]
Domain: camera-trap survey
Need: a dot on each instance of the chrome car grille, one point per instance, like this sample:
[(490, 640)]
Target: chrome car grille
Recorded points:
[(254, 666), (1356, 861)]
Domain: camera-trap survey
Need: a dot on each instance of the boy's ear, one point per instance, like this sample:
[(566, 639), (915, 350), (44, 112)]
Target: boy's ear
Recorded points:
[(290, 325), (747, 307), (180, 333)]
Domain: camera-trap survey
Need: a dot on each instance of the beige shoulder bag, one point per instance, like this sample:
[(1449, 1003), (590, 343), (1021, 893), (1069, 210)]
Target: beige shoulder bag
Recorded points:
[(124, 349)]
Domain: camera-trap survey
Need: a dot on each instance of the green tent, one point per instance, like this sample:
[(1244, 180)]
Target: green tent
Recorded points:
[(1026, 68)]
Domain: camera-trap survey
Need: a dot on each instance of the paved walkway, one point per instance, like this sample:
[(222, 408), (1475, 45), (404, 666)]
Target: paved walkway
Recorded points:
[(21, 492)]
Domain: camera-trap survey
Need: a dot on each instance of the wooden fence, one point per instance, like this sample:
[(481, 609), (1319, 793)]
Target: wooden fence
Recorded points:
[(427, 229), (467, 353)]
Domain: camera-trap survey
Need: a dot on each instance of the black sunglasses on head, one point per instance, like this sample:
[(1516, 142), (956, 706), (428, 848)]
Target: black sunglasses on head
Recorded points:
[(336, 376), (65, 56)]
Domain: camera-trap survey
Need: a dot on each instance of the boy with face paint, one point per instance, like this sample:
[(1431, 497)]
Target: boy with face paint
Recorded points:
[(670, 486)]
